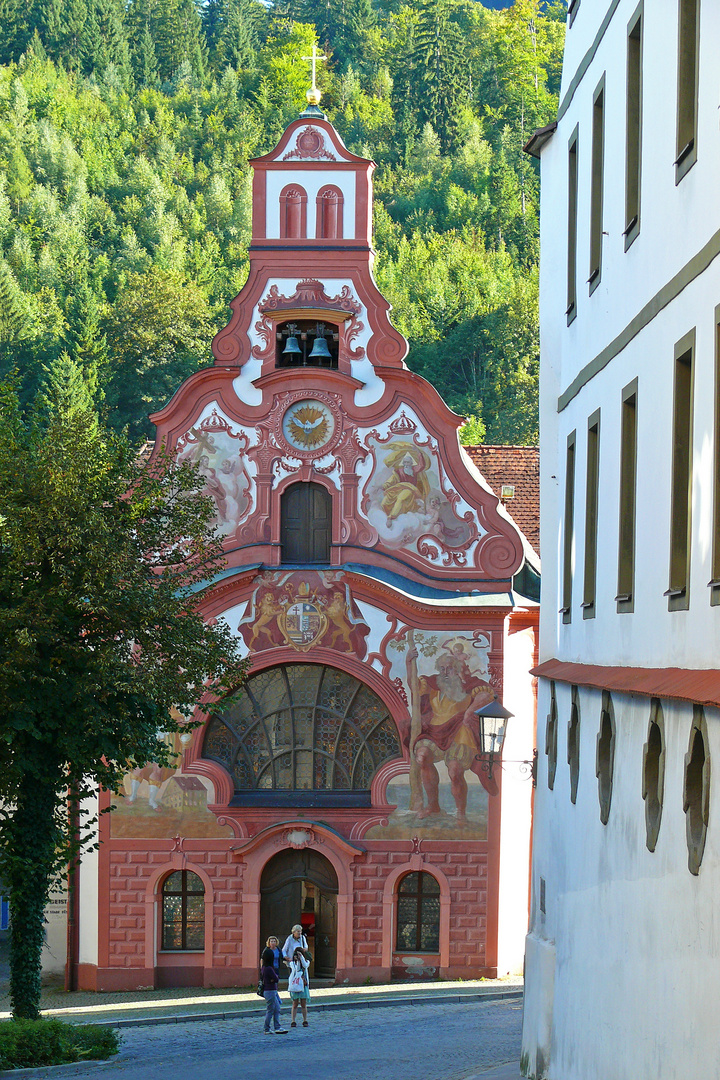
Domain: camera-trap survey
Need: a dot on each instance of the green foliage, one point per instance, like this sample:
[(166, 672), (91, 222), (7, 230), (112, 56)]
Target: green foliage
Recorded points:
[(125, 135), (473, 431), (32, 1044), (102, 565)]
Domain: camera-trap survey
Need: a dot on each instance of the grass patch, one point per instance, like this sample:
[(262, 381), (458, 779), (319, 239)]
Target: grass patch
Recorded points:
[(26, 1044)]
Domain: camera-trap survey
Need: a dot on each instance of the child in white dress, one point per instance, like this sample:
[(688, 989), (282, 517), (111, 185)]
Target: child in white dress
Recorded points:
[(299, 986)]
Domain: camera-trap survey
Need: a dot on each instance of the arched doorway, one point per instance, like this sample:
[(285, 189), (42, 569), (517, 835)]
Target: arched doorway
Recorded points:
[(302, 887)]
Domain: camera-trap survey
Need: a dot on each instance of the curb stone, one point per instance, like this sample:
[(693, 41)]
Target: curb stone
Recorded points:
[(331, 1006)]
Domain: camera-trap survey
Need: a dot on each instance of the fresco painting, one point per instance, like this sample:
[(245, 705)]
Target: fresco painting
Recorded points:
[(161, 801), (406, 501), (219, 452), (303, 610), (447, 678)]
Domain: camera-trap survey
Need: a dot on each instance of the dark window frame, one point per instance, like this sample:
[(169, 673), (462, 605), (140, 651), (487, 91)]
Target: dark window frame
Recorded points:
[(419, 894), (688, 65), (573, 743), (605, 756), (568, 529), (678, 591), (551, 737), (186, 923), (696, 790), (653, 785), (597, 184), (714, 583), (572, 223), (592, 489), (633, 126), (627, 500)]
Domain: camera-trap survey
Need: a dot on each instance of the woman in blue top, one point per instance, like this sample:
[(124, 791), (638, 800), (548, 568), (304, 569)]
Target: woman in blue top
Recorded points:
[(270, 993), (274, 944)]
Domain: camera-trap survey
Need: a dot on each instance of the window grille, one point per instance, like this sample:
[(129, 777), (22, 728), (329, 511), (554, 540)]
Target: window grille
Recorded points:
[(418, 920), (302, 734)]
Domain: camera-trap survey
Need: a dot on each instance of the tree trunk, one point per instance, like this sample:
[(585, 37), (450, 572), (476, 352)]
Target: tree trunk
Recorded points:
[(30, 855)]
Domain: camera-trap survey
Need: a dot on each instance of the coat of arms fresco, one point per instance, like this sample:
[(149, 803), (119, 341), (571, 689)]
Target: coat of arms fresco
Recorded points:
[(303, 610)]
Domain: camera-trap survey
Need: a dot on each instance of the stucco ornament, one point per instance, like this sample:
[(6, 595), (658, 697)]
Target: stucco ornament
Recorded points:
[(308, 425), (298, 838)]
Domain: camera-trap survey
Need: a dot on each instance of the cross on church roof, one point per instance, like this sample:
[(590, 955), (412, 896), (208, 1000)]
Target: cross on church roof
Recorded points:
[(313, 95)]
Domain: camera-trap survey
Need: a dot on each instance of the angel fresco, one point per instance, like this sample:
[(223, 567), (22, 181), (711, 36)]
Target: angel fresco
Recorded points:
[(221, 460)]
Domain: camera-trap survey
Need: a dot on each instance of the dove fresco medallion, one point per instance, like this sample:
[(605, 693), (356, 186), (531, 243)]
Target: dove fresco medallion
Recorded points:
[(308, 425)]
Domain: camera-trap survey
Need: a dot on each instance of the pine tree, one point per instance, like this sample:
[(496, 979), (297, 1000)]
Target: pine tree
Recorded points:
[(437, 65), (12, 38), (15, 323), (64, 389), (145, 64), (84, 340)]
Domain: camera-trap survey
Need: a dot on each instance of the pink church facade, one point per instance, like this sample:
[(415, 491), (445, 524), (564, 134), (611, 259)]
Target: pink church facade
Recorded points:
[(371, 574)]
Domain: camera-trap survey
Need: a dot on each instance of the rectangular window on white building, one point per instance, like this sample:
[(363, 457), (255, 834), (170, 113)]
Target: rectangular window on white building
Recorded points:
[(678, 593), (628, 483), (687, 86), (569, 530), (714, 582), (572, 227), (633, 128), (596, 184), (591, 518)]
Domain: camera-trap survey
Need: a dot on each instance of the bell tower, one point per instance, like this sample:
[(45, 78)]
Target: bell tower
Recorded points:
[(310, 299)]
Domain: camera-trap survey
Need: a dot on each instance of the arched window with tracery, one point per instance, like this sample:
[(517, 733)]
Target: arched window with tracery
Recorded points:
[(329, 213), (293, 212), (418, 913), (302, 734), (183, 912)]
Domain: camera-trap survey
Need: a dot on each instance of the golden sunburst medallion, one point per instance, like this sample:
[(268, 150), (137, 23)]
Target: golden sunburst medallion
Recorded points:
[(308, 425)]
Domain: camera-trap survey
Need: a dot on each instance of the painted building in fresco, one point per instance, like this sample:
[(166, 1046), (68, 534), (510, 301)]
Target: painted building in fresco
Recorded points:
[(370, 575)]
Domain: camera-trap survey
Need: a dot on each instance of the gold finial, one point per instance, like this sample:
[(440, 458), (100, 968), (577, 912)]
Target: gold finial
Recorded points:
[(313, 95)]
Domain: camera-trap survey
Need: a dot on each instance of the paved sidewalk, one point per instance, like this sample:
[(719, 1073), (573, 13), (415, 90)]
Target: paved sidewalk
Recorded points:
[(150, 1007)]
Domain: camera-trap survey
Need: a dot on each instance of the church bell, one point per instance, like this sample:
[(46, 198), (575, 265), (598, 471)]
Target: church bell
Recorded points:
[(320, 349), (292, 347)]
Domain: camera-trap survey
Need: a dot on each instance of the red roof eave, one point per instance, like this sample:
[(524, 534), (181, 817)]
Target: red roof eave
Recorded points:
[(699, 685)]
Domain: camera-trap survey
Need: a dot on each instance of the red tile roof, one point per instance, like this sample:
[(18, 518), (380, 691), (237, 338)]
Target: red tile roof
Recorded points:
[(518, 466)]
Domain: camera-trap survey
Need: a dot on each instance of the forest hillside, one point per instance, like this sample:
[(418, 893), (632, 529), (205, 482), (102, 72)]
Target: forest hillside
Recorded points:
[(125, 134)]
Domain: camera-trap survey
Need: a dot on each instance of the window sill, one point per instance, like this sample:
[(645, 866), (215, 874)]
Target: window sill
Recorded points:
[(685, 162), (631, 233), (180, 952)]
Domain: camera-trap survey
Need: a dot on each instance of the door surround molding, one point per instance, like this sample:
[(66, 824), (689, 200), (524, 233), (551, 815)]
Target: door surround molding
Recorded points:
[(297, 834)]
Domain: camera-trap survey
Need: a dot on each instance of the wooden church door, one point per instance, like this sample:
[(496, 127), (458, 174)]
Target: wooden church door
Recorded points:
[(301, 887), (305, 524)]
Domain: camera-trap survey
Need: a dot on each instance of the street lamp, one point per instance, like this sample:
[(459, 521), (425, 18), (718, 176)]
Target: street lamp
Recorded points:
[(492, 725), (492, 720)]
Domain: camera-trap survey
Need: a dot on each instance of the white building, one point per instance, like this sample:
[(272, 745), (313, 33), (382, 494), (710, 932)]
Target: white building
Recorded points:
[(622, 973)]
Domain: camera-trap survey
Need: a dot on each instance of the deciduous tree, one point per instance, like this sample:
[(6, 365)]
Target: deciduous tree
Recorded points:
[(101, 567)]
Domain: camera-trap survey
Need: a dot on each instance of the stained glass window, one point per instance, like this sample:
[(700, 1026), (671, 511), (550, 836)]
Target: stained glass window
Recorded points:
[(312, 732), (183, 912), (418, 913)]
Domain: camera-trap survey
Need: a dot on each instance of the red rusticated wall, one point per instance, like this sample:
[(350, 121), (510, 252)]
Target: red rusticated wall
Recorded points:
[(131, 873)]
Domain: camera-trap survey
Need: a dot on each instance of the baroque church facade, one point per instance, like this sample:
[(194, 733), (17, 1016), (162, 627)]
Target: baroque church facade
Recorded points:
[(370, 573)]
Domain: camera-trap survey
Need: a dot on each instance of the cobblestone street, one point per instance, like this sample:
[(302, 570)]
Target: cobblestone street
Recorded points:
[(448, 1041)]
